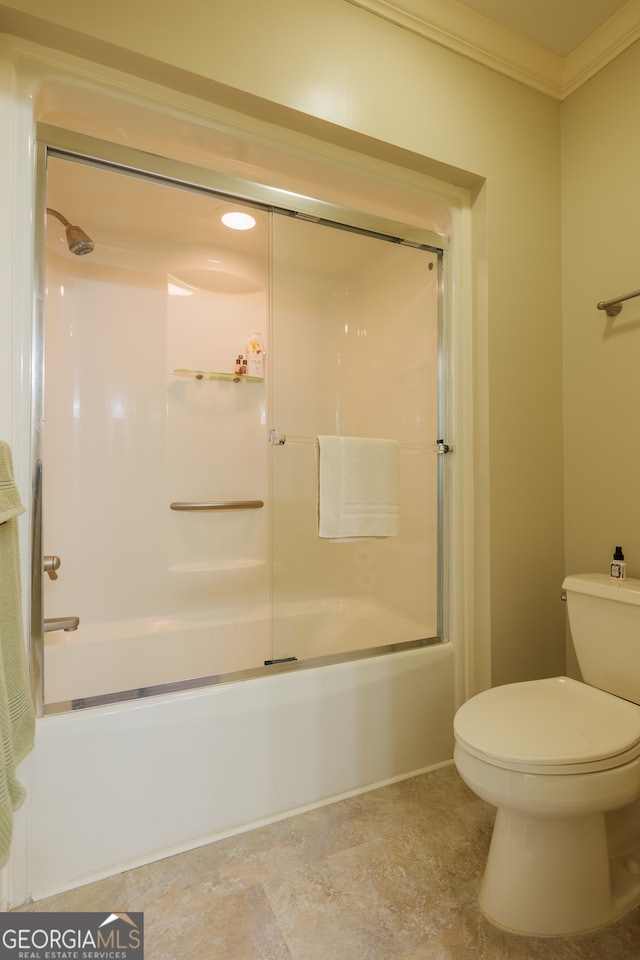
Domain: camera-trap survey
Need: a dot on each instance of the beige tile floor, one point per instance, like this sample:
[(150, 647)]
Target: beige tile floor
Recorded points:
[(389, 875)]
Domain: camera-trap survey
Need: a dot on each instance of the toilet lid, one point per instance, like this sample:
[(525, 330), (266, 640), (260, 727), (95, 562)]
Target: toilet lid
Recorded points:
[(549, 723)]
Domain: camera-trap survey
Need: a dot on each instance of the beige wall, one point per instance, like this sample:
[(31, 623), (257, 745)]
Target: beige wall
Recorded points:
[(418, 104), (601, 230)]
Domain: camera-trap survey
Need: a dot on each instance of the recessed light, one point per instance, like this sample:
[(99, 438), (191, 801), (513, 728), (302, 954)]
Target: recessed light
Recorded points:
[(237, 220)]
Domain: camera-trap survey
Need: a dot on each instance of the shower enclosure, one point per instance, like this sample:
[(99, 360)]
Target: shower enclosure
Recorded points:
[(176, 530)]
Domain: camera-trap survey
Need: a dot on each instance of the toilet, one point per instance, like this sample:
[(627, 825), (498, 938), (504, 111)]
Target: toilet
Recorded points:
[(560, 760)]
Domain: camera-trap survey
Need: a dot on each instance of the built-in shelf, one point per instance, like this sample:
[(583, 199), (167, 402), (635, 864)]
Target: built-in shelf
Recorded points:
[(215, 375)]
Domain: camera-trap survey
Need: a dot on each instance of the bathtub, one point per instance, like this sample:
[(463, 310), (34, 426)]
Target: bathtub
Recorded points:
[(100, 659), (116, 786)]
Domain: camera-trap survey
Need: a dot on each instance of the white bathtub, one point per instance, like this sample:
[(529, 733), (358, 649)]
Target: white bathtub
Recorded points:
[(330, 627), (103, 658), (115, 786)]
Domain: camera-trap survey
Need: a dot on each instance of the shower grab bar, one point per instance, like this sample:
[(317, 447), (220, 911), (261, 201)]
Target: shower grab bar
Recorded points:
[(192, 505), (613, 307), (61, 623)]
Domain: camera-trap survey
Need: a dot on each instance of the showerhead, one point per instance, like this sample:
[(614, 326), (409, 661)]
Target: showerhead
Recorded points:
[(77, 240)]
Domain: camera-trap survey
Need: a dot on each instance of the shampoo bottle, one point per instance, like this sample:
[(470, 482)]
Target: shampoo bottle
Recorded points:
[(255, 355), (618, 566)]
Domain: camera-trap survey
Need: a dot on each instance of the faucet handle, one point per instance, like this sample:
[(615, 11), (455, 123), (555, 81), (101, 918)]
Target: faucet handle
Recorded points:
[(51, 565)]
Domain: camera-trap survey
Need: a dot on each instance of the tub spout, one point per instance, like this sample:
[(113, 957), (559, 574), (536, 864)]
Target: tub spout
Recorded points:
[(61, 623)]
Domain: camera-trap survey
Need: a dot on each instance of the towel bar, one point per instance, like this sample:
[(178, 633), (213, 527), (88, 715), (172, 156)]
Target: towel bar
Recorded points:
[(613, 307), (193, 505)]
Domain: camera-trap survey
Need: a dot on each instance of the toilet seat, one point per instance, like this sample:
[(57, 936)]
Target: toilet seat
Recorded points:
[(551, 726)]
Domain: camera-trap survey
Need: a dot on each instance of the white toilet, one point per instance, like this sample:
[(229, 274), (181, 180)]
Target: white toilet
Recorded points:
[(561, 762)]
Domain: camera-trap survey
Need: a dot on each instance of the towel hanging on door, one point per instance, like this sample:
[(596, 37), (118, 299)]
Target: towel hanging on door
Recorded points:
[(358, 488)]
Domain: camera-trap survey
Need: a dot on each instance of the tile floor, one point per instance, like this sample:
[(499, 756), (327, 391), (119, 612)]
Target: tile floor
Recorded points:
[(388, 875)]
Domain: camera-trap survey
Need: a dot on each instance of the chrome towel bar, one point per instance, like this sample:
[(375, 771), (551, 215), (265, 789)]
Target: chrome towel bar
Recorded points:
[(613, 307), (193, 505)]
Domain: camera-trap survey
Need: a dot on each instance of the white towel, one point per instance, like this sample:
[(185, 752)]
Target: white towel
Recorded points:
[(358, 488)]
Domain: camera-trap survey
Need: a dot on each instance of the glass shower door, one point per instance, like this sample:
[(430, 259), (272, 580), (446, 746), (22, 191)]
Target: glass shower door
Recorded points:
[(155, 475), (179, 544), (355, 338)]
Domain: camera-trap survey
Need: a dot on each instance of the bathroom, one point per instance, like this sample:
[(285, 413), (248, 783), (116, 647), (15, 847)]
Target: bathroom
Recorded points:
[(544, 383)]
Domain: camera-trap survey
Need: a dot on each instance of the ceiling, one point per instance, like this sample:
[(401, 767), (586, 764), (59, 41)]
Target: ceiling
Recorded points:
[(557, 25)]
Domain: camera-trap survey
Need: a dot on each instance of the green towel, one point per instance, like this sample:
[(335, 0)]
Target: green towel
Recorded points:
[(17, 717)]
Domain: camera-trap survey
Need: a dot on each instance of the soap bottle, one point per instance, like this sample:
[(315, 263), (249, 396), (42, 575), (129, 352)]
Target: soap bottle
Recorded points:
[(618, 566), (255, 355)]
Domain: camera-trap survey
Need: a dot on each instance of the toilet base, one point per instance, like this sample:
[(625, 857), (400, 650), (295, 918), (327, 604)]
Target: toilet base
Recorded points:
[(550, 876)]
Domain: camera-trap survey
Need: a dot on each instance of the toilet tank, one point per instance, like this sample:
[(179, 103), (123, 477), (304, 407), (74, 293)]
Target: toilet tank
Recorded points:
[(604, 617)]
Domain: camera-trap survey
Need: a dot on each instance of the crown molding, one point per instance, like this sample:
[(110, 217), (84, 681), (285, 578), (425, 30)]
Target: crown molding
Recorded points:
[(609, 41), (472, 35)]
